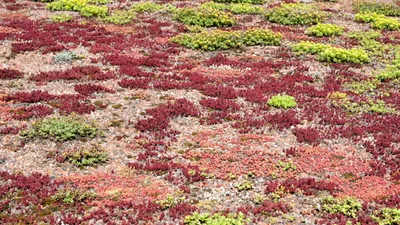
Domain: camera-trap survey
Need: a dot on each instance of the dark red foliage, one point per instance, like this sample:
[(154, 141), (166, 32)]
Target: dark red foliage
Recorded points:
[(281, 120), (181, 210), (89, 89), (142, 83), (220, 91), (220, 104), (11, 130), (309, 135), (10, 74), (69, 107), (75, 73), (38, 111), (271, 208), (307, 185), (30, 97)]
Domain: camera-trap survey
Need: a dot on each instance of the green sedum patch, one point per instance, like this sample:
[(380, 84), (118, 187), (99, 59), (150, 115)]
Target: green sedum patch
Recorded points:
[(86, 156), (72, 196), (378, 21), (244, 8), (241, 1), (61, 129), (377, 7), (221, 40), (120, 17), (82, 6), (61, 18), (94, 11), (360, 87), (324, 30), (295, 13), (327, 53), (204, 17), (387, 216), (146, 7), (214, 219), (282, 101), (347, 206), (390, 72)]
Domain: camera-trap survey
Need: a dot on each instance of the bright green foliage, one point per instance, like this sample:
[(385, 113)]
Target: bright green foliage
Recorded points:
[(171, 200), (241, 1), (146, 7), (368, 42), (359, 35), (295, 13), (244, 185), (378, 21), (205, 17), (360, 87), (210, 41), (377, 7), (371, 106), (80, 6), (245, 8), (339, 55), (217, 39), (324, 30), (86, 156), (286, 166), (282, 101), (327, 53), (98, 2), (67, 5), (308, 47), (121, 17), (214, 219), (94, 11), (71, 196), (388, 216), (347, 206), (256, 36), (391, 71), (214, 5), (61, 129), (61, 18)]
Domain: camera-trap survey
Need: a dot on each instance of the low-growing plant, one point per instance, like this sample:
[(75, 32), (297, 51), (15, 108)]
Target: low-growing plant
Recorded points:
[(360, 87), (171, 200), (85, 156), (215, 219), (214, 5), (72, 196), (244, 185), (387, 216), (327, 53), (386, 9), (378, 21), (244, 8), (241, 1), (205, 17), (146, 7), (64, 57), (295, 13), (324, 30), (120, 17), (257, 36), (282, 101), (347, 206), (61, 18), (390, 72), (67, 5), (61, 129), (217, 39), (94, 11)]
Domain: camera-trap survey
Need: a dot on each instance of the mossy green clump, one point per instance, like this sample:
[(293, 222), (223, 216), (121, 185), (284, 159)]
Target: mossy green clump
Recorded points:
[(282, 101), (61, 129), (388, 216), (241, 1), (121, 17), (360, 87), (347, 206), (244, 8), (367, 40), (244, 185), (221, 40), (146, 7), (256, 36), (82, 6), (72, 196), (204, 17), (378, 21), (390, 72), (215, 219), (61, 18), (377, 7), (171, 200), (85, 156), (295, 13), (327, 53), (324, 30)]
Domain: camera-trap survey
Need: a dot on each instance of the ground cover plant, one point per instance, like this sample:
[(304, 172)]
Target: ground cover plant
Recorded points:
[(189, 112)]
